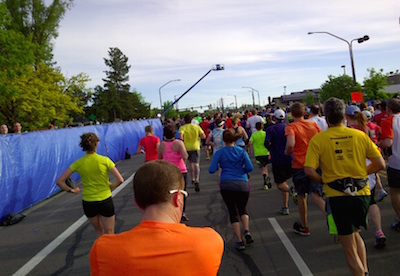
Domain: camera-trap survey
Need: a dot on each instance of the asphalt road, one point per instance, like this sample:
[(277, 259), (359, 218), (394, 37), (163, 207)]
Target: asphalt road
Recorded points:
[(55, 238)]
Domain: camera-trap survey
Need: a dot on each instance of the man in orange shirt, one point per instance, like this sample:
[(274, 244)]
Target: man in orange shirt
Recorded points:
[(159, 245), (299, 134)]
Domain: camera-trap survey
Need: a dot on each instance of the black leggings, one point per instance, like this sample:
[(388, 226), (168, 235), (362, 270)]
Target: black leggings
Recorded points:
[(236, 203)]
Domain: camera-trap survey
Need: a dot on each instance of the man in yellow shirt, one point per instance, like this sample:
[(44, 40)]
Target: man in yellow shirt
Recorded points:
[(160, 244), (190, 134), (341, 152)]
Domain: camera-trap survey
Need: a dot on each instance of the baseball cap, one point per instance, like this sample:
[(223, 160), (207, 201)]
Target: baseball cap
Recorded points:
[(367, 114), (352, 110), (279, 114)]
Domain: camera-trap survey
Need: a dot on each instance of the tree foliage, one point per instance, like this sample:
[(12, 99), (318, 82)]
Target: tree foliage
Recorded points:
[(32, 91), (339, 87), (310, 99), (115, 101), (374, 85), (38, 22)]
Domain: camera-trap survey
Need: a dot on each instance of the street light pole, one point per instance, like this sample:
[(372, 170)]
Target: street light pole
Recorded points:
[(350, 44), (216, 67), (159, 90), (252, 93)]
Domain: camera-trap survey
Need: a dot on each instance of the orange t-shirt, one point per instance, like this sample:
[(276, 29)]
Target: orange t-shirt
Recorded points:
[(157, 248), (303, 131)]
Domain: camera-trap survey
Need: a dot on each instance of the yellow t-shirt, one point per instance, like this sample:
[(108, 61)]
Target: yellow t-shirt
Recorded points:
[(93, 170), (157, 248), (341, 152), (191, 133)]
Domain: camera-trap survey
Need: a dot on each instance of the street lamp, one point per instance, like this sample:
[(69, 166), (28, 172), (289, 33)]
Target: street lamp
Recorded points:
[(252, 93), (344, 70), (359, 40), (235, 101), (216, 67), (159, 90)]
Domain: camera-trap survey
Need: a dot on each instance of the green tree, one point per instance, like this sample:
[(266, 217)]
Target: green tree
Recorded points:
[(38, 22), (38, 100), (375, 84), (309, 99), (339, 87), (115, 85), (75, 88)]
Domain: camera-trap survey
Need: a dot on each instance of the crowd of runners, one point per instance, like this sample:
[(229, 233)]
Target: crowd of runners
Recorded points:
[(332, 151)]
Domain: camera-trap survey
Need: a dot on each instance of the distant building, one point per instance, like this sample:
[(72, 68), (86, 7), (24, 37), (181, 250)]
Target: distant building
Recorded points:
[(393, 87)]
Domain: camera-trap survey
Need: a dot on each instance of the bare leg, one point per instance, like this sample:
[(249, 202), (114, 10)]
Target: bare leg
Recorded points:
[(191, 169), (302, 206), (354, 258), (245, 222), (284, 188), (236, 229), (98, 227), (108, 224), (375, 215), (196, 168), (319, 201)]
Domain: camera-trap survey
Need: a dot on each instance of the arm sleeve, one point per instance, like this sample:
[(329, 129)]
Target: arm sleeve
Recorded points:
[(214, 163), (248, 166)]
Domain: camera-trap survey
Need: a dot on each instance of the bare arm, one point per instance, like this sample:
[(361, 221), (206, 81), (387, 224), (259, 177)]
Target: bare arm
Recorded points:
[(161, 149), (203, 136), (376, 165), (119, 179), (61, 182), (290, 142), (245, 136), (312, 173), (385, 143), (139, 149), (182, 150)]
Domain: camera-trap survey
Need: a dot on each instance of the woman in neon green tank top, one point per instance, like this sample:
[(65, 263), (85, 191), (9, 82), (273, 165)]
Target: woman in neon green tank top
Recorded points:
[(93, 170)]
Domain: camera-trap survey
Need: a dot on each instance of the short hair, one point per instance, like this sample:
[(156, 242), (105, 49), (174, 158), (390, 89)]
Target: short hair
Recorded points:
[(259, 125), (394, 105), (188, 118), (298, 110), (148, 129), (229, 136), (153, 181), (89, 141), (314, 109), (334, 110), (169, 131)]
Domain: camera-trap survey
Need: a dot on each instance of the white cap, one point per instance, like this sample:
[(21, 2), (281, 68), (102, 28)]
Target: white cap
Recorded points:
[(367, 114), (279, 114)]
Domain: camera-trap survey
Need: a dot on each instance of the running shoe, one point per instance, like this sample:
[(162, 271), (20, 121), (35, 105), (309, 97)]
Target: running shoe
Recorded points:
[(208, 158), (380, 239), (299, 229), (293, 193), (269, 184), (285, 211), (396, 226), (240, 246), (196, 186), (381, 194), (248, 237)]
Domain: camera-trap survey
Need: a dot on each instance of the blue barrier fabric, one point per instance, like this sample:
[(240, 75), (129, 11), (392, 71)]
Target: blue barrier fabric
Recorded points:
[(31, 162)]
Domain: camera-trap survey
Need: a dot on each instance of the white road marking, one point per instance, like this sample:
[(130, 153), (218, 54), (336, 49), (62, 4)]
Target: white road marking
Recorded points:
[(32, 263), (301, 265)]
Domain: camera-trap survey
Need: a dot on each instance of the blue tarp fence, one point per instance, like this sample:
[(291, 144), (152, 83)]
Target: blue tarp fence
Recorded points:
[(32, 162)]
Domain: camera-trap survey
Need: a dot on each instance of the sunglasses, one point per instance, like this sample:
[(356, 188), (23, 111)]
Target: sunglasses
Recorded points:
[(186, 194)]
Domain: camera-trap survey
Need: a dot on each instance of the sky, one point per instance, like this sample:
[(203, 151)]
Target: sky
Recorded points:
[(263, 44)]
